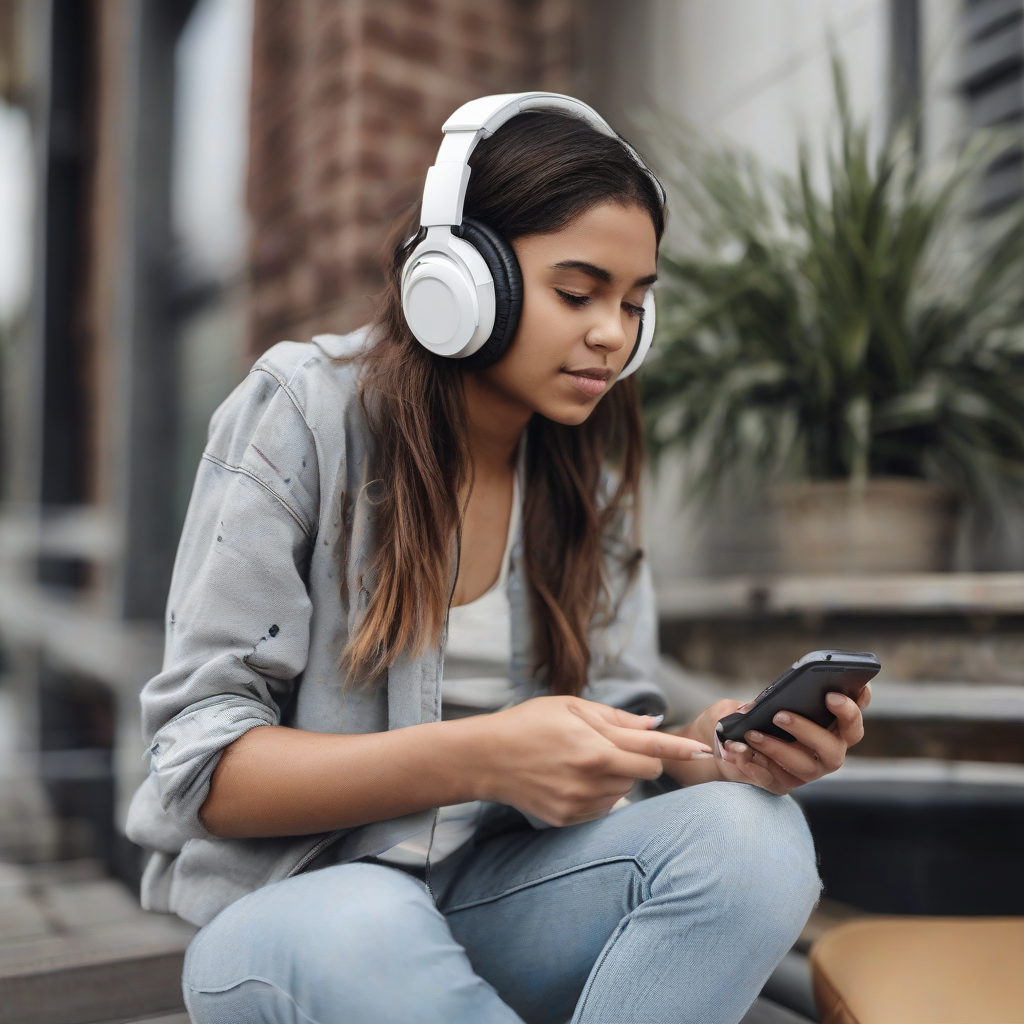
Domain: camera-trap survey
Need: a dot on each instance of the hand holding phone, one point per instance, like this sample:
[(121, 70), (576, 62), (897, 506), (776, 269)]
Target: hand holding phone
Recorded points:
[(801, 690)]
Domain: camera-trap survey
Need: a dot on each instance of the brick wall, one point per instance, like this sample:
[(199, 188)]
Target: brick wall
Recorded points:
[(348, 97)]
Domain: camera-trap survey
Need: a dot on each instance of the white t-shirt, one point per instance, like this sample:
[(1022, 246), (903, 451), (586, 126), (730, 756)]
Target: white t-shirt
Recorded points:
[(475, 680)]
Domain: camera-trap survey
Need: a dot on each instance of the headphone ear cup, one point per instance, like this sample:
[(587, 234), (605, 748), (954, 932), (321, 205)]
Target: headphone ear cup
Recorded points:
[(508, 290), (644, 337)]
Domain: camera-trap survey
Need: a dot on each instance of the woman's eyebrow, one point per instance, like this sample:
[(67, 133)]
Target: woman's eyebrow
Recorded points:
[(599, 273)]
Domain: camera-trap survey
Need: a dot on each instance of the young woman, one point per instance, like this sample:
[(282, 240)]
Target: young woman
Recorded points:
[(362, 500)]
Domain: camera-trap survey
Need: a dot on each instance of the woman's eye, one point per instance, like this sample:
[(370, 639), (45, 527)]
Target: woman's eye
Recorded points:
[(633, 310), (576, 301)]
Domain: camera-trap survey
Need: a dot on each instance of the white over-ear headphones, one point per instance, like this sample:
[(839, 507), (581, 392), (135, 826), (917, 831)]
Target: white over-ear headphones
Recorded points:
[(461, 286)]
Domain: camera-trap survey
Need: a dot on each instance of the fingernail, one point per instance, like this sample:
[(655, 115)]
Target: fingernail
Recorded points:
[(754, 736), (700, 755), (782, 718), (656, 721), (737, 748), (835, 699)]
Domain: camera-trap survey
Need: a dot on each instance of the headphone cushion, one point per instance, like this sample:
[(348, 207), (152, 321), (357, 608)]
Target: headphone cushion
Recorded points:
[(508, 290)]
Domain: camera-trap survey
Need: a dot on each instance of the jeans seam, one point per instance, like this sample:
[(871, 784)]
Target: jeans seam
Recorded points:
[(242, 981), (623, 858), (581, 1003)]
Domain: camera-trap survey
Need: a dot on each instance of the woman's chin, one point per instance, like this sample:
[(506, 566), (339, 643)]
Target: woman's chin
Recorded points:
[(569, 414)]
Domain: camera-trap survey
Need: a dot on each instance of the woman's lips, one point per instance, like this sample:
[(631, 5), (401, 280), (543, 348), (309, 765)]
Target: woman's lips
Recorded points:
[(590, 386)]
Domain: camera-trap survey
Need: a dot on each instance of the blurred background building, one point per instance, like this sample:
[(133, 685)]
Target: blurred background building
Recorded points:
[(185, 182)]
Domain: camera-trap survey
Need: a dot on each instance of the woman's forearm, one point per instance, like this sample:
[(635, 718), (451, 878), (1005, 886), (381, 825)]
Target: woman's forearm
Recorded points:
[(561, 759), (276, 781)]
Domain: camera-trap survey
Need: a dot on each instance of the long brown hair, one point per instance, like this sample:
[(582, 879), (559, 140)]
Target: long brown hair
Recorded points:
[(533, 176)]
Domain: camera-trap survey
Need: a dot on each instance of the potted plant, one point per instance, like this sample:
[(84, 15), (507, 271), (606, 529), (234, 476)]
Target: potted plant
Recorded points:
[(857, 353)]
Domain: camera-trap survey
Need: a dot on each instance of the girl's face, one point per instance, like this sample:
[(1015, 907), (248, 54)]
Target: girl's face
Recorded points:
[(583, 288)]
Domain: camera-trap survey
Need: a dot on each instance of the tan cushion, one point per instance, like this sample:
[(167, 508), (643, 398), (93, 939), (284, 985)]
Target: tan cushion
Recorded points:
[(921, 970)]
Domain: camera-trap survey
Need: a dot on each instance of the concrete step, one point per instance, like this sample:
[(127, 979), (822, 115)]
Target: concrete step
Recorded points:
[(76, 948), (764, 1011)]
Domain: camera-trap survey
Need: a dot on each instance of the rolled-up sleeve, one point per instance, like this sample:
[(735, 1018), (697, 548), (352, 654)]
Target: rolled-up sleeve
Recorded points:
[(238, 611)]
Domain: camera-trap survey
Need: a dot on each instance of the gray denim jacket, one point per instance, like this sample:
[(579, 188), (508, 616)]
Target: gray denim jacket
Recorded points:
[(268, 584)]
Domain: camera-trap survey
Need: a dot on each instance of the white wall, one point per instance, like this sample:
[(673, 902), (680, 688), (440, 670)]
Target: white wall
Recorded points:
[(211, 137), (757, 73), (945, 121), (16, 204)]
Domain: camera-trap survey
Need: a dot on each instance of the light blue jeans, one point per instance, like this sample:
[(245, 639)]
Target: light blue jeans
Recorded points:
[(672, 911)]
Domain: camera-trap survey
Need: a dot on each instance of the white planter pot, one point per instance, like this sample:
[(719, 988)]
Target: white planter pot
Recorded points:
[(888, 524)]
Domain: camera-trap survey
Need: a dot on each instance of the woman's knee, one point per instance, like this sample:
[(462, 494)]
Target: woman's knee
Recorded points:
[(293, 943), (754, 846)]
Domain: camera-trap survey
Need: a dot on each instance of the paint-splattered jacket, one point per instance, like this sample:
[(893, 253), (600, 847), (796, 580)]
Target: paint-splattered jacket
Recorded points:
[(268, 585)]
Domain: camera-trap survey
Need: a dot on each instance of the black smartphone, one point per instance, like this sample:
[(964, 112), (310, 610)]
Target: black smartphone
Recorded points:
[(801, 689)]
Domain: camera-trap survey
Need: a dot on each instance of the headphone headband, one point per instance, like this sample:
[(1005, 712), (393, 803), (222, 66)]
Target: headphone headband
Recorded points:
[(444, 193), (488, 113)]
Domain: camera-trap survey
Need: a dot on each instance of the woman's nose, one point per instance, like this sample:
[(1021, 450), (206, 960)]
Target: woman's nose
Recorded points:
[(608, 334)]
